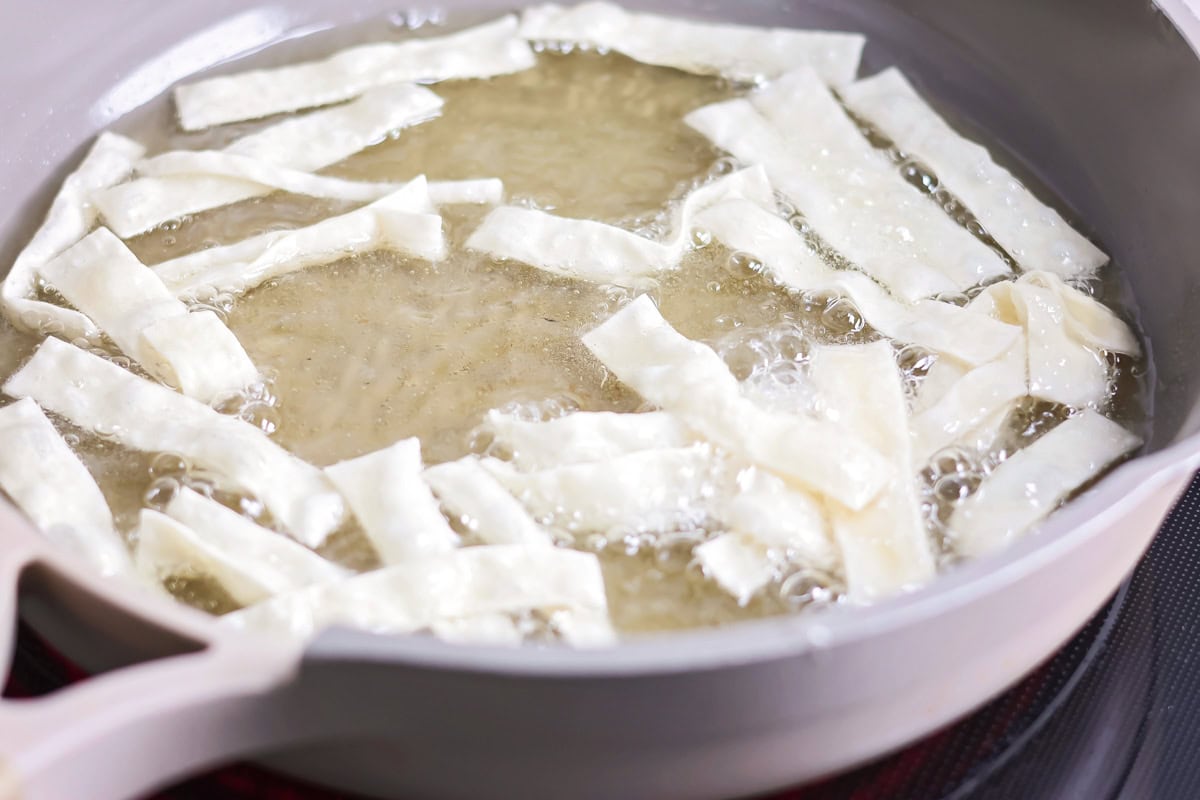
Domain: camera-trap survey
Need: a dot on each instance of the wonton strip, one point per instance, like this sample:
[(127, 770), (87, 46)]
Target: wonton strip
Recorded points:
[(935, 326), (885, 548), (483, 505), (97, 395), (942, 375), (467, 582), (1066, 332), (71, 216), (654, 490), (394, 504), (394, 223), (593, 251), (772, 527), (968, 402), (198, 537), (854, 198), (739, 564), (583, 627), (587, 628), (481, 629), (305, 143), (1034, 481), (584, 436), (268, 176), (480, 52), (274, 177), (195, 353), (689, 379), (475, 191), (48, 482), (738, 52), (1032, 232)]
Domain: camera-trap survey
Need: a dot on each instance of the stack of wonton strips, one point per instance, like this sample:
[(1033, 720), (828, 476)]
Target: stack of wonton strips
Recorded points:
[(832, 493)]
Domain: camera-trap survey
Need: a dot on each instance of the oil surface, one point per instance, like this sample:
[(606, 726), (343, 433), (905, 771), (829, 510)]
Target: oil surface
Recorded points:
[(373, 349)]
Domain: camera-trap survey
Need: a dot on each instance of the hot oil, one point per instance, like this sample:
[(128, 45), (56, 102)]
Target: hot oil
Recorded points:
[(373, 349)]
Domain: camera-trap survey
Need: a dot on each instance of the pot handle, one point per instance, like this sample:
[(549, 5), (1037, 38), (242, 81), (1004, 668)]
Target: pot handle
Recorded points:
[(126, 732)]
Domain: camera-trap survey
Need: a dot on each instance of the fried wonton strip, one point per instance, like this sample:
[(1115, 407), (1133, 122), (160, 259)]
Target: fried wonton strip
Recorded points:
[(690, 380), (1034, 481), (468, 582), (584, 627), (400, 222), (198, 537), (474, 191), (394, 504), (739, 563), (653, 490), (97, 395), (481, 629), (1032, 232), (576, 628), (968, 402), (305, 143), (48, 482), (483, 505), (1067, 333), (71, 216), (853, 197), (480, 52), (216, 163), (195, 353), (593, 251), (738, 52), (584, 436), (935, 326), (772, 527), (884, 546), (942, 375)]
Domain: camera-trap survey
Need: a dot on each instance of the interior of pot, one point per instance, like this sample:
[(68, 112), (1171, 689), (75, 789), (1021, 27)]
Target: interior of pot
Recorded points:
[(1099, 106)]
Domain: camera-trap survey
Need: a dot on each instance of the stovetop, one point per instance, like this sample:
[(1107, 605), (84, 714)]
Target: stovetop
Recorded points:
[(1115, 715)]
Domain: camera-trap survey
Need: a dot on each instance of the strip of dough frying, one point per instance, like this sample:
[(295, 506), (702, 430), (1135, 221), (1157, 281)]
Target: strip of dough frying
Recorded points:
[(854, 198), (468, 582), (304, 143), (401, 221), (482, 503), (1066, 331), (110, 161), (48, 482), (574, 627), (593, 251), (481, 191), (690, 380), (474, 191), (195, 353), (738, 52), (1032, 232), (772, 527), (394, 504), (652, 490), (480, 52), (200, 537), (884, 546), (99, 396), (481, 629), (1034, 481), (935, 326), (584, 436), (968, 402)]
